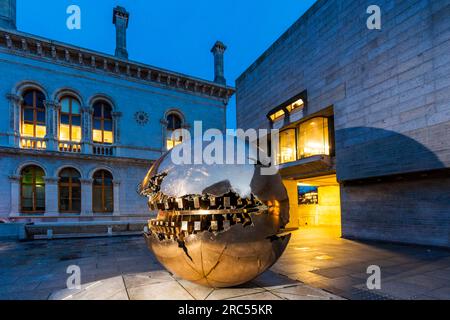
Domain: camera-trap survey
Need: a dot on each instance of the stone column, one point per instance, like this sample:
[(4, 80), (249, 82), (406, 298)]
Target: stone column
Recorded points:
[(86, 197), (51, 120), (15, 196), (218, 51), (291, 188), (86, 139), (15, 102), (116, 125), (51, 196), (116, 184), (120, 19)]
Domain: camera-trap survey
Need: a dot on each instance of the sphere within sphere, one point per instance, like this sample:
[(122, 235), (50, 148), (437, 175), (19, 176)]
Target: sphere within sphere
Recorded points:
[(217, 225)]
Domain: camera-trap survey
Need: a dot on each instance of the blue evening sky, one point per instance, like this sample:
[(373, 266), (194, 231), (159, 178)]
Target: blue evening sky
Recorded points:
[(172, 34)]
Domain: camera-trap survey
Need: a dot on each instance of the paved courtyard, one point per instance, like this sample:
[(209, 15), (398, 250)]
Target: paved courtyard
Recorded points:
[(316, 265)]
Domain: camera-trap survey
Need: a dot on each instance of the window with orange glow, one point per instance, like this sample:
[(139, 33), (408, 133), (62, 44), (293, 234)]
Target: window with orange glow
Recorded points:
[(103, 123), (33, 115), (174, 133), (70, 120), (313, 138), (287, 149)]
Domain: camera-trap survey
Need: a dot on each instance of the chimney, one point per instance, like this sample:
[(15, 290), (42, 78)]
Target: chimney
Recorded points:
[(120, 19), (218, 50), (8, 14)]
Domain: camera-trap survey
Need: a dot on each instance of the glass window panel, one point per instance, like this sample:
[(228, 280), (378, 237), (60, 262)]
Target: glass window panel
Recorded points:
[(28, 98), (65, 105), (76, 120), (75, 107), (98, 111), (108, 125), (40, 116), (40, 100), (108, 137), (76, 192), (287, 148), (107, 112), (64, 132), (64, 118), (28, 115), (97, 199), (40, 131), (76, 134), (313, 138), (97, 136), (97, 124), (28, 130)]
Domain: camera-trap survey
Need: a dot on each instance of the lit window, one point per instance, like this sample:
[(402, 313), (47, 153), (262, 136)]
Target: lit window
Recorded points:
[(33, 115), (287, 147), (70, 120), (32, 190), (103, 123), (297, 105), (69, 191), (174, 133), (277, 115), (103, 192), (313, 138)]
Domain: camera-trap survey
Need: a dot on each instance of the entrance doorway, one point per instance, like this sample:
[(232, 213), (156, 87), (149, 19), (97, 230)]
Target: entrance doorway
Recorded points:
[(319, 202)]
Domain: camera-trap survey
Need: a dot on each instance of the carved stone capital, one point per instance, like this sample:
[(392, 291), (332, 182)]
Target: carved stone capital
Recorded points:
[(51, 104), (116, 114), (116, 183), (14, 98), (87, 109), (15, 178), (51, 180), (86, 181)]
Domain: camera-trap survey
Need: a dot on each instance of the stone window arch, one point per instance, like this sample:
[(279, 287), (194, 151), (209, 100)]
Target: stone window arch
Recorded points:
[(173, 129), (33, 118)]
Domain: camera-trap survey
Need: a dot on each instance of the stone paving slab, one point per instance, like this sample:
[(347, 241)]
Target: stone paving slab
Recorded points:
[(317, 265)]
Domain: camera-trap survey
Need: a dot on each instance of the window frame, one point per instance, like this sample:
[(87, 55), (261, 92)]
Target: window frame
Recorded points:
[(102, 119), (70, 115), (103, 188), (35, 109), (70, 185), (170, 131), (34, 187)]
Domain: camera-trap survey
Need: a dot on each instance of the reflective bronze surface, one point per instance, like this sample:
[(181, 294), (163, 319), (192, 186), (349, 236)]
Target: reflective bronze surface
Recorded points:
[(217, 225)]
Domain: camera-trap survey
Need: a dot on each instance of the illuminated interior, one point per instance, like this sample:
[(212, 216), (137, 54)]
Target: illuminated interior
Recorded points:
[(174, 132), (313, 138), (70, 120), (103, 123), (287, 146), (33, 115), (319, 201), (297, 105)]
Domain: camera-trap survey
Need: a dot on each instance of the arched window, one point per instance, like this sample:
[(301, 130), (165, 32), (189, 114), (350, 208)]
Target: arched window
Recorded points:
[(33, 114), (32, 190), (69, 190), (70, 120), (173, 132), (103, 123), (103, 192)]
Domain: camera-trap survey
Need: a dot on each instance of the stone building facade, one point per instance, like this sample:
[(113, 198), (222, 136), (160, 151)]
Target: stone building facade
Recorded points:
[(383, 100), (79, 129)]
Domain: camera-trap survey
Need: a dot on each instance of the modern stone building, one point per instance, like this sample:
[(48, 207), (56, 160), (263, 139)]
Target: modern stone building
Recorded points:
[(364, 117), (79, 129)]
